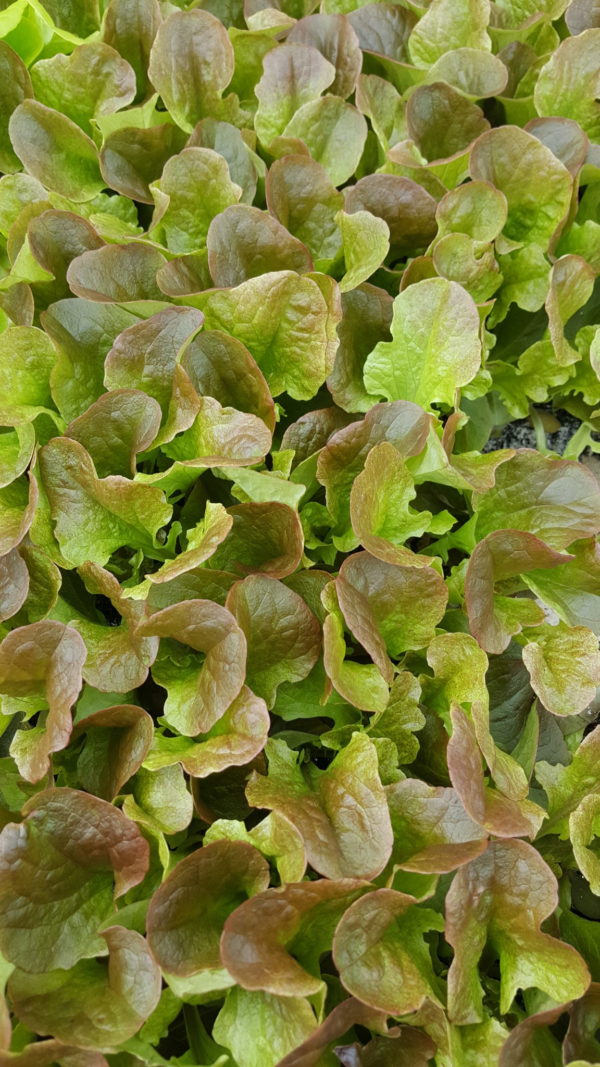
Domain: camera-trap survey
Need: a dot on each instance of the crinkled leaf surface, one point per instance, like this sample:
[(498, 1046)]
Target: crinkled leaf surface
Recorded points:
[(555, 500), (78, 848), (41, 666), (283, 635), (95, 1006), (286, 322), (191, 62), (564, 666), (341, 812), (535, 183), (435, 347), (303, 916), (299, 507), (201, 692), (497, 908), (383, 934), (188, 911), (94, 516)]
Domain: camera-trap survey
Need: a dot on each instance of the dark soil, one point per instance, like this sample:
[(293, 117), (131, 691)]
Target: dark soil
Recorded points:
[(521, 433)]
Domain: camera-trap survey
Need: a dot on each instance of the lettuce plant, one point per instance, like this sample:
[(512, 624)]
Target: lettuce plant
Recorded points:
[(298, 644)]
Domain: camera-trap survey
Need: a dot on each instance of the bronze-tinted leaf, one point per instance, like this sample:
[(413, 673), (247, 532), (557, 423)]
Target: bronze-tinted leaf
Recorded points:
[(58, 869), (501, 898), (221, 366), (341, 812), (118, 658), (56, 238), (41, 663), (199, 696), (432, 831), (96, 1006), (132, 158), (187, 912), (283, 635), (264, 539), (191, 62), (348, 1013), (497, 813), (115, 428), (555, 499), (235, 740), (381, 954), (335, 38), (14, 584), (117, 273), (442, 121), (401, 422), (94, 516), (406, 207), (406, 603), (274, 940), (146, 356), (130, 28), (502, 555), (201, 543), (116, 741), (244, 242)]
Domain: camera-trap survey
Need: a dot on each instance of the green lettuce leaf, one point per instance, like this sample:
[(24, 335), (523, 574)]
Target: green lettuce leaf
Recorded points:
[(341, 812), (435, 348), (80, 848)]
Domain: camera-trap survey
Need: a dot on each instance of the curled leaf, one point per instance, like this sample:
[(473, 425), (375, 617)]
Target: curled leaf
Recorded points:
[(187, 912), (93, 80), (380, 952), (490, 901), (492, 809), (341, 812), (199, 695), (265, 314), (118, 659), (115, 429), (78, 847), (283, 635), (402, 423), (116, 741), (293, 75), (145, 356), (535, 183), (269, 942), (406, 207), (500, 556), (263, 538), (234, 740), (98, 1007), (193, 188), (41, 664)]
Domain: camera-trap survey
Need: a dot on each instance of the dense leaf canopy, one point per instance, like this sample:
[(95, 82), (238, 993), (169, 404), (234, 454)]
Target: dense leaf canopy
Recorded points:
[(299, 594)]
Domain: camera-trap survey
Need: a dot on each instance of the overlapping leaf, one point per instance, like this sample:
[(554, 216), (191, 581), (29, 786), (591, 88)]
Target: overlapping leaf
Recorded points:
[(299, 505)]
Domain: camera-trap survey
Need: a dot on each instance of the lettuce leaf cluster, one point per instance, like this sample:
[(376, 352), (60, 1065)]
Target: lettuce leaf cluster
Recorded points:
[(298, 666)]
